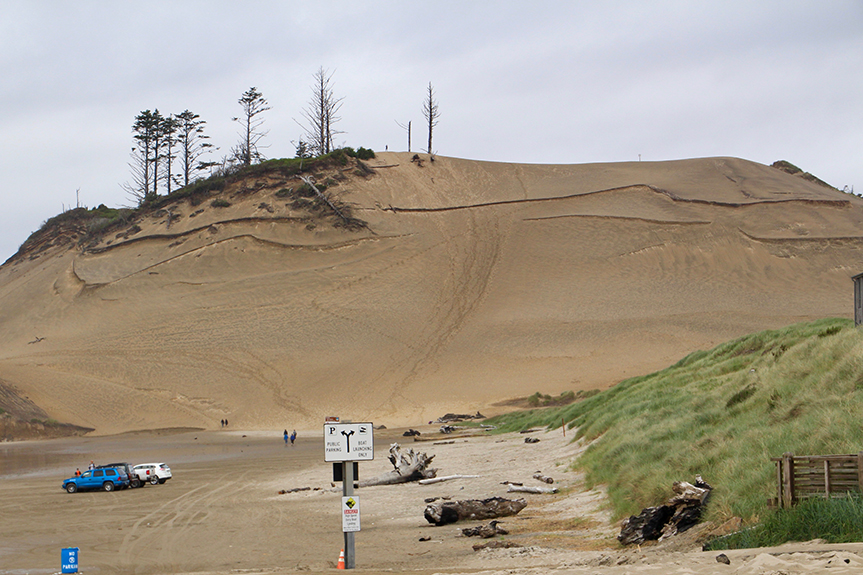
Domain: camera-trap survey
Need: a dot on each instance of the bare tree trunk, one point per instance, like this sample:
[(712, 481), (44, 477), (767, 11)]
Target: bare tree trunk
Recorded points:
[(431, 114)]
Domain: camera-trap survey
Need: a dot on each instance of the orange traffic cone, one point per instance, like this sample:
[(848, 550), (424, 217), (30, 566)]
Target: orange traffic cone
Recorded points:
[(341, 564)]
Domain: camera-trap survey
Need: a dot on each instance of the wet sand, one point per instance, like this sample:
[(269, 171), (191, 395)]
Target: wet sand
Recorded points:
[(212, 514)]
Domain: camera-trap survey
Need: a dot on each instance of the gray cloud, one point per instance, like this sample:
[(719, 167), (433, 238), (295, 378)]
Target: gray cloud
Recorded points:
[(547, 83)]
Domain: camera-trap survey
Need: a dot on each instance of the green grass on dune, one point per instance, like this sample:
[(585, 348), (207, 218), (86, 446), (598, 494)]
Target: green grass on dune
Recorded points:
[(836, 520), (723, 414)]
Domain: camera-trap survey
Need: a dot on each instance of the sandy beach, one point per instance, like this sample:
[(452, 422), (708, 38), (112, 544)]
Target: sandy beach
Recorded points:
[(222, 512), (473, 284)]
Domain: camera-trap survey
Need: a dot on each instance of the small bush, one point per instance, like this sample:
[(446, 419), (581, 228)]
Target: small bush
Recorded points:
[(536, 399), (220, 203), (340, 157), (306, 191), (365, 154), (830, 331), (544, 400)]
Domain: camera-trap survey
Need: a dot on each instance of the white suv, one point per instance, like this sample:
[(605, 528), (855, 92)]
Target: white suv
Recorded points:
[(152, 472)]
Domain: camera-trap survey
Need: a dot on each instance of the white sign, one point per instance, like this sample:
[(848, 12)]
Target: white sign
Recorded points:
[(349, 442), (350, 514)]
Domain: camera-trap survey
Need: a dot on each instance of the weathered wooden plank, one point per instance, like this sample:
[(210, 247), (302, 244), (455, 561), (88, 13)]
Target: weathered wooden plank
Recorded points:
[(860, 471), (788, 477)]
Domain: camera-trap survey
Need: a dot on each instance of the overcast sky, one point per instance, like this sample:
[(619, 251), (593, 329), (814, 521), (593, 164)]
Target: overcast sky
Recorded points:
[(539, 82)]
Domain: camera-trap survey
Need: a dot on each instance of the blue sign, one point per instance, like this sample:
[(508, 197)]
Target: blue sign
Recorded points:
[(69, 560)]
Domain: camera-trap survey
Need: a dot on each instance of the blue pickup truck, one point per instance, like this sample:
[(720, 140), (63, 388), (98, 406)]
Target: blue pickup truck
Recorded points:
[(107, 478)]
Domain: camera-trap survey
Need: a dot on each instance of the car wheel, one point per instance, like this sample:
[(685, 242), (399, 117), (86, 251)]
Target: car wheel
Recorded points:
[(136, 483), (162, 481), (108, 486), (71, 488), (154, 480)]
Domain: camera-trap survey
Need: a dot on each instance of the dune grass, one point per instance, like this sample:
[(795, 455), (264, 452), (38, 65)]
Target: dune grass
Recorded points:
[(723, 414), (835, 520)]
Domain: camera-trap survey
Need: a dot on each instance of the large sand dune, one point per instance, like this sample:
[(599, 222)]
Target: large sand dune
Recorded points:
[(474, 282)]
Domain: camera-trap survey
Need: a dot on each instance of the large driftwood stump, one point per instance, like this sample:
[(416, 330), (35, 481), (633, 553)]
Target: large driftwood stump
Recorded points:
[(407, 466), (678, 514), (443, 512)]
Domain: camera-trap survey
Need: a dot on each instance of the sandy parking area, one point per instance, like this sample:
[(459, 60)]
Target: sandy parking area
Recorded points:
[(222, 513)]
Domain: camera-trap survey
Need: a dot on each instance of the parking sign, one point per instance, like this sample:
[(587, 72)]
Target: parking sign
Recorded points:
[(69, 560), (349, 442)]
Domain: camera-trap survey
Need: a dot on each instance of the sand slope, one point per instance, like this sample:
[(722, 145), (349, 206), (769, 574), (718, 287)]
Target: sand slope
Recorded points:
[(474, 282)]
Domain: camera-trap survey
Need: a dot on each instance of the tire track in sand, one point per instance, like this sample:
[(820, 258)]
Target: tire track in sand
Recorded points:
[(155, 535)]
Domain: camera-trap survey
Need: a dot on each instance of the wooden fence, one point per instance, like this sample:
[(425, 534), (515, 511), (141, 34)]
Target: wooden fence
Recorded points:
[(802, 476)]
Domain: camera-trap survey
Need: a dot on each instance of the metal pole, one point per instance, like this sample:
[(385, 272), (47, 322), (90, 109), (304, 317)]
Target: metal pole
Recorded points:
[(347, 490)]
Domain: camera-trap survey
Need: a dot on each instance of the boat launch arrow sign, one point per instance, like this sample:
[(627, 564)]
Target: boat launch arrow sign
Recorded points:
[(349, 442)]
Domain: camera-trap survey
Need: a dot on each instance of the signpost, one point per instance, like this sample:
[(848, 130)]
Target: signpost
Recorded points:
[(348, 443)]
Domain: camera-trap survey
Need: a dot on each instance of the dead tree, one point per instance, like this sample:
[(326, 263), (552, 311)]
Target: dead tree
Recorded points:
[(407, 466), (431, 114), (408, 129), (321, 114), (444, 512)]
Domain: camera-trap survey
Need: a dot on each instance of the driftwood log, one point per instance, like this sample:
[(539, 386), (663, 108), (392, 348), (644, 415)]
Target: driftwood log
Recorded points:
[(677, 514), (445, 478), (530, 489), (408, 466), (485, 531), (544, 478), (459, 417), (442, 513)]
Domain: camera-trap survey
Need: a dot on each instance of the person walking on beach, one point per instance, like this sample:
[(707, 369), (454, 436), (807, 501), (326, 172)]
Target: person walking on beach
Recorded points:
[(92, 465), (293, 436), (286, 438), (77, 472)]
